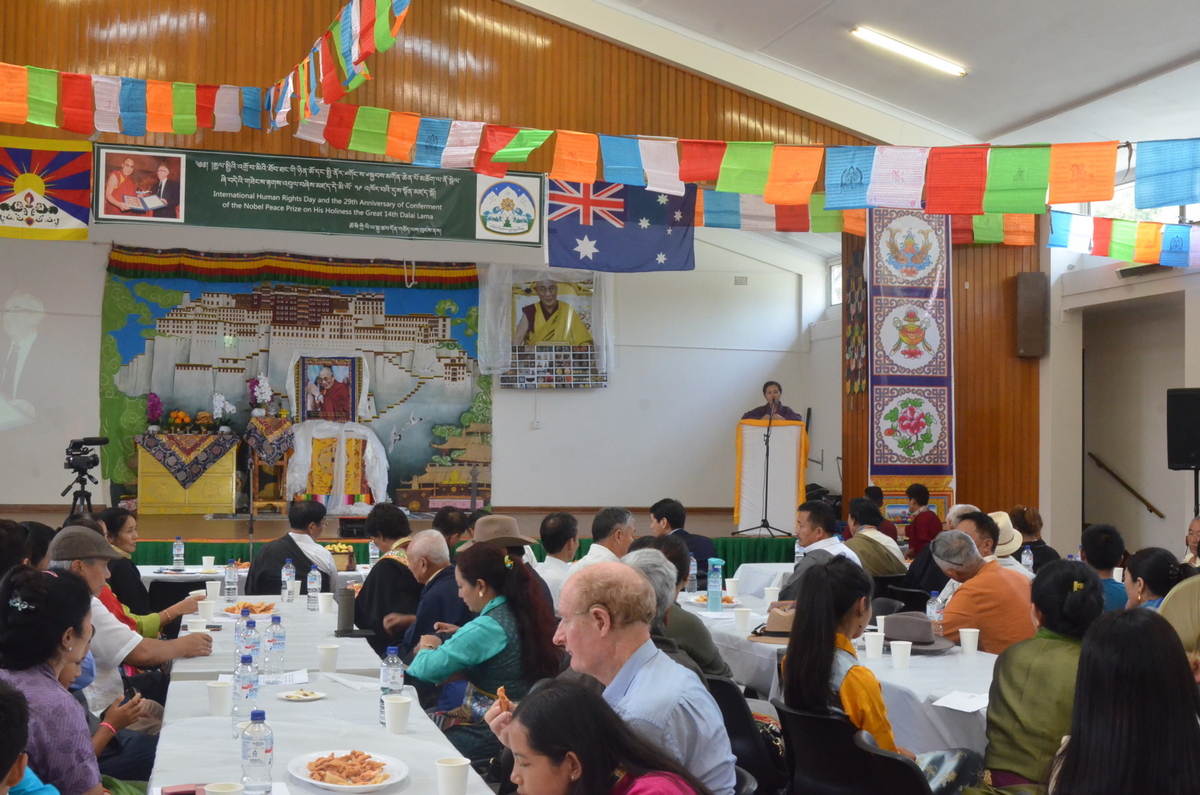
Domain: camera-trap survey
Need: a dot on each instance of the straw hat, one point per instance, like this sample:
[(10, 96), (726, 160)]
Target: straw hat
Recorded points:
[(778, 628), (917, 629), (1010, 540), (499, 531)]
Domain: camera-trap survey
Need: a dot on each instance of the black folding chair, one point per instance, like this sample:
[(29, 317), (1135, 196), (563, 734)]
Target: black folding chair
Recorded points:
[(749, 746)]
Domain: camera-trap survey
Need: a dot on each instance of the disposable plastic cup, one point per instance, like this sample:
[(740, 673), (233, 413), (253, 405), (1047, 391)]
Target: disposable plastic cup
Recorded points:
[(452, 775), (969, 640), (901, 650), (208, 561), (294, 589), (325, 602), (395, 713), (874, 645), (731, 588), (206, 609), (220, 699), (879, 622), (196, 624), (770, 595), (213, 591), (327, 657), (741, 618)]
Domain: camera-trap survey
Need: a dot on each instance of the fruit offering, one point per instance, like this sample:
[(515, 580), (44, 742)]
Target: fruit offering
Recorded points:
[(339, 547), (178, 417)]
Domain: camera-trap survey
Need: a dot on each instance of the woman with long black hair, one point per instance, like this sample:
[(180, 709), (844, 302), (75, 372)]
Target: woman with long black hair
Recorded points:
[(1150, 574)]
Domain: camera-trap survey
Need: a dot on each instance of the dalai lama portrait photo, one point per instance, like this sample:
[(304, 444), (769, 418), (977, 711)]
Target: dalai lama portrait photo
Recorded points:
[(550, 320), (327, 398)]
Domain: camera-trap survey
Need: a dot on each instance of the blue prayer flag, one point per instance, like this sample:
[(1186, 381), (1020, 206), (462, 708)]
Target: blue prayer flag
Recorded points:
[(722, 210), (133, 106), (1175, 245), (399, 7), (1060, 229), (252, 107), (847, 176), (619, 228), (622, 160), (1168, 173), (432, 135)]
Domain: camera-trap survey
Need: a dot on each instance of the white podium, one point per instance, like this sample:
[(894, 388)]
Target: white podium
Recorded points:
[(789, 457)]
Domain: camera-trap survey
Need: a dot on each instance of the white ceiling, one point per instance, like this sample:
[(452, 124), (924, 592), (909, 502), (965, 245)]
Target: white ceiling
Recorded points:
[(1097, 68)]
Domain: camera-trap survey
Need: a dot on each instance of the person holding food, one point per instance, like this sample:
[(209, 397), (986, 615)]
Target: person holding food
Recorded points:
[(510, 644)]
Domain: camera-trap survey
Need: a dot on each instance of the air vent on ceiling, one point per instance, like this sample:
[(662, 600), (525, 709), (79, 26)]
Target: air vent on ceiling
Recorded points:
[(741, 281)]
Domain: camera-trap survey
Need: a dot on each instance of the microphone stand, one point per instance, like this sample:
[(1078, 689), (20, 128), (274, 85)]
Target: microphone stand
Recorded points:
[(765, 524)]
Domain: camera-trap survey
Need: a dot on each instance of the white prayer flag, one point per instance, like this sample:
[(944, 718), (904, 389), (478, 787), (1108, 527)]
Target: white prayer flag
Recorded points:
[(898, 177), (285, 104), (106, 92), (356, 26), (757, 215), (227, 110), (313, 128), (1194, 247), (1079, 238), (660, 161), (461, 144)]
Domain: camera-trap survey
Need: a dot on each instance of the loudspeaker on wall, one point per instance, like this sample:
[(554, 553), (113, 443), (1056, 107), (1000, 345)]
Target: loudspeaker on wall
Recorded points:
[(1033, 315), (1183, 428)]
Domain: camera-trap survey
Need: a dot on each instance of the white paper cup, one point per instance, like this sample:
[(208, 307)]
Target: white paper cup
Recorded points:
[(452, 775), (327, 657), (395, 713), (213, 591), (220, 699), (741, 618), (206, 607), (221, 789), (879, 623), (294, 589), (969, 640), (208, 561), (196, 625), (325, 602), (731, 588), (874, 645), (770, 595), (1119, 574), (901, 650)]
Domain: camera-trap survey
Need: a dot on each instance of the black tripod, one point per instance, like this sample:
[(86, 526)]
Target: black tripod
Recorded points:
[(82, 499), (764, 524)]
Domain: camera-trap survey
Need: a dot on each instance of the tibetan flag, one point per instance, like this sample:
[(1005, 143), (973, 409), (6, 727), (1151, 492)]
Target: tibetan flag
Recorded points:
[(78, 115), (822, 220), (745, 167), (43, 97), (1102, 232), (1017, 180), (722, 210), (848, 176), (955, 180), (313, 128), (370, 131), (331, 87), (791, 218), (461, 144), (227, 109), (183, 98), (206, 106), (607, 226), (45, 188), (14, 94), (854, 222), (987, 228), (106, 94), (402, 135), (962, 230), (1176, 245), (660, 159), (756, 214), (432, 135), (1082, 172), (1124, 240), (159, 107), (1019, 230), (252, 107), (340, 125), (575, 156), (384, 38), (495, 138), (1148, 242), (898, 177), (1168, 173), (794, 171), (133, 106), (521, 146), (700, 161), (366, 28), (622, 160)]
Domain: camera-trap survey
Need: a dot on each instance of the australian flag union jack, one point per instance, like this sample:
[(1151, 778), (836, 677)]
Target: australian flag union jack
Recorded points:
[(608, 226)]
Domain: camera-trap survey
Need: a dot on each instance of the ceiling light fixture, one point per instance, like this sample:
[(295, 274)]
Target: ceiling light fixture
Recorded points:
[(908, 51)]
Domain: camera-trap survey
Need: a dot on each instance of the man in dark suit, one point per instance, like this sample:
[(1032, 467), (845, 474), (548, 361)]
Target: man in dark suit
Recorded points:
[(667, 518), (307, 520), (166, 189)]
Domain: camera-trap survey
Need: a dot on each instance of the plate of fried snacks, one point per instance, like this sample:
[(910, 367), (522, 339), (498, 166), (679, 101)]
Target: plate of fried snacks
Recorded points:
[(255, 608), (302, 695), (348, 771), (726, 600)]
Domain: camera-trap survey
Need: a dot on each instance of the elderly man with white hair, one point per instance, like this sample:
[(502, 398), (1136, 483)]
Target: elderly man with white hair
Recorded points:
[(440, 605), (550, 320), (660, 573), (923, 573)]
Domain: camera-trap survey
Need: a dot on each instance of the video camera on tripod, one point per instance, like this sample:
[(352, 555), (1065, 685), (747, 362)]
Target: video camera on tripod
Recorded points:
[(80, 459)]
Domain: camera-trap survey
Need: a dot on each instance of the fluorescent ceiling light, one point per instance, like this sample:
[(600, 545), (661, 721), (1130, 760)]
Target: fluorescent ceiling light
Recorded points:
[(909, 51)]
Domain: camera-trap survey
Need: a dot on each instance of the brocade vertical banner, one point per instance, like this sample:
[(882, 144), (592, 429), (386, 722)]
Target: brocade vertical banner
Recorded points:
[(910, 359)]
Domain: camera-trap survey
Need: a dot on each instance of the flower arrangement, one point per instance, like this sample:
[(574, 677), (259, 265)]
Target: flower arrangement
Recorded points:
[(221, 408), (260, 391), (154, 408)]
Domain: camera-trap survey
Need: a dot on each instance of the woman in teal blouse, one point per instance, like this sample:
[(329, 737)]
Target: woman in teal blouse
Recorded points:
[(510, 645)]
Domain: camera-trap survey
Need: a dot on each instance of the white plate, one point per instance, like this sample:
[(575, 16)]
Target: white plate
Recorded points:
[(397, 771), (291, 696), (696, 600)]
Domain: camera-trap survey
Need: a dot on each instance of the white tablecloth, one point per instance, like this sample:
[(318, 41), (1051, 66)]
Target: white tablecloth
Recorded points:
[(754, 577), (152, 573), (194, 748)]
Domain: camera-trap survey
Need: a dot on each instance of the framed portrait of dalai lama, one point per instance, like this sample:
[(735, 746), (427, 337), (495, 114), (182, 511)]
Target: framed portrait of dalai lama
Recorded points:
[(328, 388)]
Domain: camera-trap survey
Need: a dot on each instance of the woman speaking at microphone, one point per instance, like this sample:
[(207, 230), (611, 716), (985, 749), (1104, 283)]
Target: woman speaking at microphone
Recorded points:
[(772, 391)]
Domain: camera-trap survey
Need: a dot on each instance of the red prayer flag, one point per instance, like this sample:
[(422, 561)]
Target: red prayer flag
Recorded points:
[(77, 103), (700, 161), (494, 139), (955, 181), (1101, 236), (206, 104), (366, 30), (340, 124), (791, 218), (962, 228), (331, 87)]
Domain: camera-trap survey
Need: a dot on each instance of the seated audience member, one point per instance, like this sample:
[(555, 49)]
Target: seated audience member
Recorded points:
[(1102, 548), (40, 536), (879, 555), (1028, 523), (1190, 542), (504, 532), (990, 537), (1150, 574), (126, 581), (1008, 543), (682, 626), (390, 587), (667, 518), (509, 645), (1033, 685), (990, 598), (887, 527), (560, 539), (597, 756), (85, 553), (821, 672), (1135, 724), (612, 533), (660, 573), (454, 525), (15, 774), (816, 531), (306, 522), (440, 605), (14, 546), (923, 573), (923, 523), (606, 614)]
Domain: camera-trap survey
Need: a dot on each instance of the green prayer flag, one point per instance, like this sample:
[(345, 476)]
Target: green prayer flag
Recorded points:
[(989, 227), (383, 26), (43, 96), (822, 220), (183, 102), (1124, 240), (1017, 180), (370, 130), (363, 74), (745, 167), (521, 146)]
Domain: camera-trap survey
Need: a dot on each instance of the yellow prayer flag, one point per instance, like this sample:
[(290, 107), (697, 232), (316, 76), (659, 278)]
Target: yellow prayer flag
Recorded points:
[(794, 171), (1148, 246), (1019, 230), (1082, 172), (402, 134), (575, 156)]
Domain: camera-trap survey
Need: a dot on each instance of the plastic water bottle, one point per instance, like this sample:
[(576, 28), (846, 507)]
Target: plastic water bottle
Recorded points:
[(258, 752), (231, 588), (372, 553), (177, 552), (314, 588), (1027, 558), (936, 611), (715, 568), (252, 643), (286, 576), (245, 691), (691, 583), (276, 646), (239, 629), (391, 678)]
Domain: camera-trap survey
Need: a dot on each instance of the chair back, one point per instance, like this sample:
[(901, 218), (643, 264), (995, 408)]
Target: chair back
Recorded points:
[(1181, 609), (894, 773), (883, 606), (913, 599), (745, 738), (822, 756), (883, 583)]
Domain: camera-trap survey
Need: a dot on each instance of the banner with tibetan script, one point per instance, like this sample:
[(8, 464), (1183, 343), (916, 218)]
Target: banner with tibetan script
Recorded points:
[(45, 188), (910, 354)]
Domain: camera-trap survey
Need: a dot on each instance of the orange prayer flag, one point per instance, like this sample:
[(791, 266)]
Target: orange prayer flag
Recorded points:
[(1148, 246), (794, 171), (855, 222), (14, 94), (575, 156), (1082, 172), (160, 107), (402, 134), (1019, 230), (699, 207)]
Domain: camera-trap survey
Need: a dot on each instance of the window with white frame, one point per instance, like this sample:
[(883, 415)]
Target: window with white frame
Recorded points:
[(835, 284)]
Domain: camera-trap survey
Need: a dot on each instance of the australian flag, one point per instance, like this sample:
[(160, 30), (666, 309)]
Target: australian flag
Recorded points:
[(608, 226)]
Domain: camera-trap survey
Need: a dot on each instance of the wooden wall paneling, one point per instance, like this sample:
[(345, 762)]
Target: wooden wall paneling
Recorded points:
[(855, 414)]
